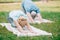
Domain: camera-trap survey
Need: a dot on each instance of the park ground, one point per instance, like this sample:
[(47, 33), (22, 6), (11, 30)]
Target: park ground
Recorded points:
[(50, 10)]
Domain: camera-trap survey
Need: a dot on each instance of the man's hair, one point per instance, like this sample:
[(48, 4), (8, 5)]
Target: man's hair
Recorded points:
[(33, 14)]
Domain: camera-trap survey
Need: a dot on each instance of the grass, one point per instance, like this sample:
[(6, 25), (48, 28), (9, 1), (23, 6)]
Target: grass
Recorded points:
[(50, 6), (50, 10), (54, 28)]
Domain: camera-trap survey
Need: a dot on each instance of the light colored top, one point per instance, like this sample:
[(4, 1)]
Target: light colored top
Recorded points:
[(28, 5), (15, 14)]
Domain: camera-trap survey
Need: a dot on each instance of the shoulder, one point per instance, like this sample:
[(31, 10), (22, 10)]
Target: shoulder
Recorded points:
[(15, 12)]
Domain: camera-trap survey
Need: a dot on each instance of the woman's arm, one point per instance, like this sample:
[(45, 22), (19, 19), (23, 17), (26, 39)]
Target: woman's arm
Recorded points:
[(29, 28), (18, 26)]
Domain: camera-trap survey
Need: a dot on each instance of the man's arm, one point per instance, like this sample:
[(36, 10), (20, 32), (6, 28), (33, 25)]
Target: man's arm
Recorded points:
[(29, 16), (39, 17)]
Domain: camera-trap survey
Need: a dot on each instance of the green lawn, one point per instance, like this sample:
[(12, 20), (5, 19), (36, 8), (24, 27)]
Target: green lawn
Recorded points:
[(50, 10), (54, 27)]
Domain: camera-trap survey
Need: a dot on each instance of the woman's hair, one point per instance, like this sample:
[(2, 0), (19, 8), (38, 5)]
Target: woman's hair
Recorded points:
[(22, 22)]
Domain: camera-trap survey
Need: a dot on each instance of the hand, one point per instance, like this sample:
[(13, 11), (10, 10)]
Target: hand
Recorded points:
[(24, 32), (33, 22)]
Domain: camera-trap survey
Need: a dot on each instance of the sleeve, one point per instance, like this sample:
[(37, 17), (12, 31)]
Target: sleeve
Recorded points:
[(37, 9), (13, 15)]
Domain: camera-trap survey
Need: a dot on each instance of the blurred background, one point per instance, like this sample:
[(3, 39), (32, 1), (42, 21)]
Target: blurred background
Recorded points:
[(49, 9), (44, 5), (21, 0)]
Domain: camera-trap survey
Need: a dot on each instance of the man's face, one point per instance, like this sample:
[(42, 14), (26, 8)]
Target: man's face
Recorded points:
[(33, 14)]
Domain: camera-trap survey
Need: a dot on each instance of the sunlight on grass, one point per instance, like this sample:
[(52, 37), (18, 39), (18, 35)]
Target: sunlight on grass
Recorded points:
[(54, 27)]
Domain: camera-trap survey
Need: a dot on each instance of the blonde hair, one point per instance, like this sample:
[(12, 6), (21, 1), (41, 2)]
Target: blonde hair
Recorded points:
[(22, 22)]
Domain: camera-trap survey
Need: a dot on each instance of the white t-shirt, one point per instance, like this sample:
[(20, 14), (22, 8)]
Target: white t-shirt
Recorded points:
[(15, 14)]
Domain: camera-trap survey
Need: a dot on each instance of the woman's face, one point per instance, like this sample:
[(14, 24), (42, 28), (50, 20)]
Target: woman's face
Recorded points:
[(22, 21)]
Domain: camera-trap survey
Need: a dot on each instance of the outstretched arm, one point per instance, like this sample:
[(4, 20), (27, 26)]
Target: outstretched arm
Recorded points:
[(18, 26), (29, 16), (29, 28), (39, 17)]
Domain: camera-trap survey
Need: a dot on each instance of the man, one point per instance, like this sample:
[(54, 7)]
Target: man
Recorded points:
[(31, 10), (19, 20)]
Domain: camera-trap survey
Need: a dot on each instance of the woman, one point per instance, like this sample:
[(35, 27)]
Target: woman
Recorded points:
[(19, 20)]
